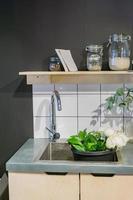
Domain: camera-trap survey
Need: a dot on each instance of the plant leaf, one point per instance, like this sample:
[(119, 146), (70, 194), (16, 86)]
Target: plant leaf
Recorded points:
[(120, 91), (90, 146), (78, 147), (74, 139), (82, 134)]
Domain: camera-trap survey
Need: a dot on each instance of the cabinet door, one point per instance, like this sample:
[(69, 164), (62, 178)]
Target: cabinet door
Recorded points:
[(118, 187), (24, 186)]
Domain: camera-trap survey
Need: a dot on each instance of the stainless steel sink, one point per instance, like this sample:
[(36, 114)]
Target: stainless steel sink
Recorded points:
[(57, 151), (62, 151)]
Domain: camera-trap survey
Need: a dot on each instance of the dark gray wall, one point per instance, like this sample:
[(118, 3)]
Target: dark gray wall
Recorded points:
[(15, 96), (29, 32)]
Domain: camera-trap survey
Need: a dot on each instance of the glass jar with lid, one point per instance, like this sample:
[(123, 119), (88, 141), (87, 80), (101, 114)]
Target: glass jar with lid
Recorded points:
[(54, 63), (119, 52), (94, 57)]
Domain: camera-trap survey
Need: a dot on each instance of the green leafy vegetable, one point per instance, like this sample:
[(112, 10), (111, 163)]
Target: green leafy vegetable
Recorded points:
[(82, 134), (88, 141), (78, 147)]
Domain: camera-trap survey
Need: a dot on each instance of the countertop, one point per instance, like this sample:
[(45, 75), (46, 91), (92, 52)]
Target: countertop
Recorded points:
[(27, 159)]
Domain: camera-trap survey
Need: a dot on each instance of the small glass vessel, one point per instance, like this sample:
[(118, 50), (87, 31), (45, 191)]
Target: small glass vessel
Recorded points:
[(94, 57), (119, 52), (54, 63)]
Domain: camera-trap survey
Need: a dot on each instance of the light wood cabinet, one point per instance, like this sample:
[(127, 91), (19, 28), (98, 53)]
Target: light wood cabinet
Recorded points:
[(26, 186), (118, 187)]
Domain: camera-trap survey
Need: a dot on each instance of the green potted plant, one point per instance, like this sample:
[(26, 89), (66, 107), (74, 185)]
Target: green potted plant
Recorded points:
[(122, 98), (102, 145), (97, 145)]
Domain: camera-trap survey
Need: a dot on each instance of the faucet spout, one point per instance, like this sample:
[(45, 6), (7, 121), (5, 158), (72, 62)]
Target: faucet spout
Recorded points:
[(53, 133), (57, 95)]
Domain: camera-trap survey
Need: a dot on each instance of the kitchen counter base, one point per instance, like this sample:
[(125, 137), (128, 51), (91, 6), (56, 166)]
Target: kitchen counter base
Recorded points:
[(27, 159)]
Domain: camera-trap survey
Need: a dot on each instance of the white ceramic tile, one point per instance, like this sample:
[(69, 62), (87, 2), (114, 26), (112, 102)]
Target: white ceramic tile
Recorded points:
[(110, 88), (128, 126), (129, 85), (66, 88), (129, 113), (69, 106), (40, 124), (115, 123), (88, 105), (88, 88), (41, 105), (115, 112), (42, 88), (66, 126), (91, 123)]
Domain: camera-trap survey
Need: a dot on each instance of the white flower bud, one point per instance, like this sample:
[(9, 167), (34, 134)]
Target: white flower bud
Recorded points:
[(119, 142), (109, 131), (110, 143)]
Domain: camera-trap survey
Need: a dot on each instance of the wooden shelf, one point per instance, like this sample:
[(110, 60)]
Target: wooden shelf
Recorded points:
[(44, 77)]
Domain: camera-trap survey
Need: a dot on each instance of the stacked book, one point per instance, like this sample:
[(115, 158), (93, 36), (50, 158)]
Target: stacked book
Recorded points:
[(66, 60)]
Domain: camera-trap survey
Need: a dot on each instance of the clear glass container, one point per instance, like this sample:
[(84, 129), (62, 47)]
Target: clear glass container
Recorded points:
[(94, 57), (119, 52), (54, 63)]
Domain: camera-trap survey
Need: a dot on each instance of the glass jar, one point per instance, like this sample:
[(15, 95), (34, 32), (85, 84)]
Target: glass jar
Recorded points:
[(119, 52), (54, 63), (94, 57)]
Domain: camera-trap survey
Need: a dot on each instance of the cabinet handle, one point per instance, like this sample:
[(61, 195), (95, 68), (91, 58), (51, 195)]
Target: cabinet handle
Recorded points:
[(57, 173), (102, 175)]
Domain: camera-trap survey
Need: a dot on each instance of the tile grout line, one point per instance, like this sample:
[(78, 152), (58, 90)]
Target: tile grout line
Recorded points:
[(77, 110), (100, 107), (62, 94), (107, 117), (123, 111)]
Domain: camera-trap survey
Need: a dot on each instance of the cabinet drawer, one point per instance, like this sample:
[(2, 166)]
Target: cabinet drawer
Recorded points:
[(118, 187), (25, 186)]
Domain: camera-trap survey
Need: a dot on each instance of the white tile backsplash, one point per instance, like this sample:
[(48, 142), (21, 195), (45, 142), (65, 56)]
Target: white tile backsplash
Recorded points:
[(66, 126), (129, 85), (88, 105), (41, 105), (129, 113), (91, 123), (40, 124), (89, 88), (69, 106), (115, 123), (115, 112), (81, 108), (128, 125), (42, 88), (110, 88), (66, 88)]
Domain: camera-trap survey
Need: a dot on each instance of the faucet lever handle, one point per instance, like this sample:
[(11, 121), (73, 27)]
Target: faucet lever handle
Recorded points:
[(55, 135), (49, 130)]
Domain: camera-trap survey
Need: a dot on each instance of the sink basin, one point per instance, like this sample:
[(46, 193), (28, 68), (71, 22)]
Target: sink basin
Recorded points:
[(57, 151), (62, 151)]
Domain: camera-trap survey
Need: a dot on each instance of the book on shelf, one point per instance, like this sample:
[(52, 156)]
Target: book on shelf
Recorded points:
[(66, 59), (61, 59)]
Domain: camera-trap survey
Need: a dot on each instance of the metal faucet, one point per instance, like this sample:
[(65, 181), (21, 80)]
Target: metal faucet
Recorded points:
[(54, 135)]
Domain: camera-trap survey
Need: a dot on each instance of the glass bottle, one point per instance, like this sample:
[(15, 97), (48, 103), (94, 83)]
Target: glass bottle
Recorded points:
[(119, 52), (94, 57), (54, 63)]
